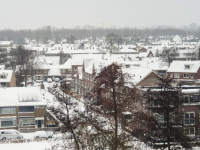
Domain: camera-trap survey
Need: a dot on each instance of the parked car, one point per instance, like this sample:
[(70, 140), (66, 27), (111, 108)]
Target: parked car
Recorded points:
[(42, 134), (49, 80), (10, 134)]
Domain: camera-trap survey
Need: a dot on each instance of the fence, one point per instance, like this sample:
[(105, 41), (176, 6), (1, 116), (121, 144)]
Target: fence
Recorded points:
[(28, 130)]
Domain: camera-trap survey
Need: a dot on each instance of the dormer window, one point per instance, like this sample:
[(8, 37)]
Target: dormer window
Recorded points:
[(187, 66), (2, 76)]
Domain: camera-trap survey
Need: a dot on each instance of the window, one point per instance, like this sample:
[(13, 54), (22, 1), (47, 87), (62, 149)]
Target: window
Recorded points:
[(191, 75), (189, 131), (8, 110), (63, 71), (75, 68), (158, 117), (127, 66), (38, 71), (3, 84), (26, 121), (185, 75), (161, 71), (189, 118), (186, 99), (2, 76), (171, 75), (45, 71), (69, 71), (39, 106), (23, 109), (156, 103), (196, 98), (8, 122), (187, 66), (176, 75)]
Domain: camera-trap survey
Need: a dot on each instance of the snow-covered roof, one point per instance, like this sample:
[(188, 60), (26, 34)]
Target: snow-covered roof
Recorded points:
[(67, 64), (2, 67), (177, 39), (77, 59), (88, 65), (137, 73), (22, 96), (52, 60), (184, 66), (54, 71), (8, 75), (126, 50), (5, 42)]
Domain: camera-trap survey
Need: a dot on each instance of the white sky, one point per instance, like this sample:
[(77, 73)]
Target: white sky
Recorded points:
[(24, 14)]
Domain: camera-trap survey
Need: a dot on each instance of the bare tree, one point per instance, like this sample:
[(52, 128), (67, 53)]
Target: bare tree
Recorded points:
[(112, 40), (166, 120), (20, 58), (72, 123), (168, 55), (113, 95)]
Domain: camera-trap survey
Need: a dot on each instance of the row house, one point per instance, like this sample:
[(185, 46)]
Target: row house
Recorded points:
[(50, 68), (77, 61), (84, 79), (24, 108), (184, 72)]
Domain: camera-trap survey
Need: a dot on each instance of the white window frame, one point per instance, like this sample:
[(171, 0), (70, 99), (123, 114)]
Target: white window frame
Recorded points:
[(187, 66), (189, 119), (176, 75), (189, 134), (13, 110), (187, 75), (21, 121), (191, 75), (8, 117), (69, 70), (63, 71)]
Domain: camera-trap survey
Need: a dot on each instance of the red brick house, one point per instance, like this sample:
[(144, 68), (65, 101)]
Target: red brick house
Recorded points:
[(185, 72)]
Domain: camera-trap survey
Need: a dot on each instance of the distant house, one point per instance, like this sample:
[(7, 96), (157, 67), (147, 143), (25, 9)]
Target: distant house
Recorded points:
[(186, 72), (7, 45), (7, 78), (22, 108)]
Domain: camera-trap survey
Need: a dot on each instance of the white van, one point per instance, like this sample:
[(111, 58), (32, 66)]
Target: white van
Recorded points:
[(10, 134)]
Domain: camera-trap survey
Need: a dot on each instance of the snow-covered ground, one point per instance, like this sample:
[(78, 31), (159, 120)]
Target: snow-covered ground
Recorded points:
[(44, 145)]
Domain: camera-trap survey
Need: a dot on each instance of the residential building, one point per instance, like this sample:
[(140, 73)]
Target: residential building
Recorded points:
[(185, 72), (22, 108)]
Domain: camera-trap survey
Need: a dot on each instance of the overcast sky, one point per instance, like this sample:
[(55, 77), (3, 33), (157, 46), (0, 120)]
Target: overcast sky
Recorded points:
[(32, 14)]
